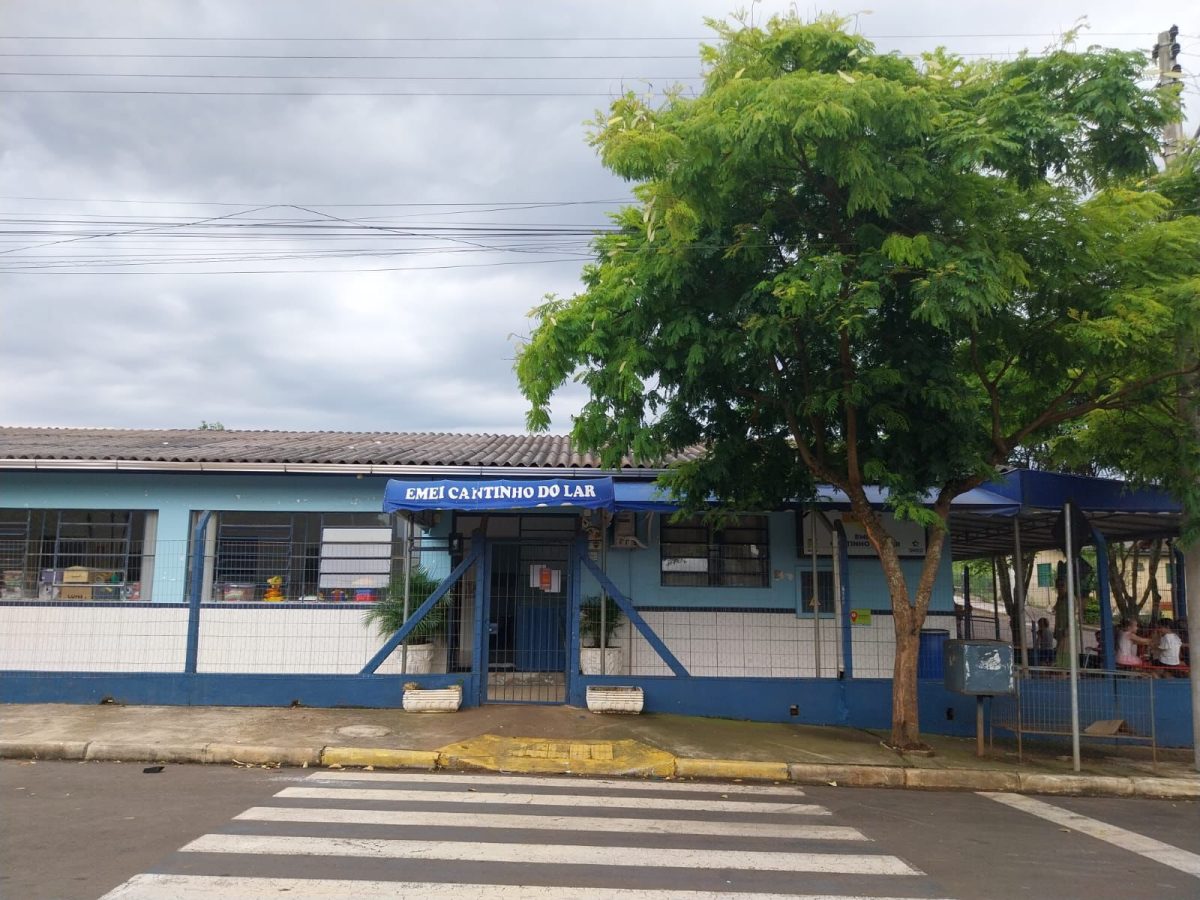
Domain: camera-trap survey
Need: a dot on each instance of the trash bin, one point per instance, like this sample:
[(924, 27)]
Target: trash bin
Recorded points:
[(931, 657)]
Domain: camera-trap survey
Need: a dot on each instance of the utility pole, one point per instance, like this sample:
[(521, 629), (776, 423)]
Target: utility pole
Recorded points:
[(1170, 76)]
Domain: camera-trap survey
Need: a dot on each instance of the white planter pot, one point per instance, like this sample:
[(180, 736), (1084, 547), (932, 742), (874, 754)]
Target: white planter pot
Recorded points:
[(590, 658), (614, 699), (433, 699), (420, 658)]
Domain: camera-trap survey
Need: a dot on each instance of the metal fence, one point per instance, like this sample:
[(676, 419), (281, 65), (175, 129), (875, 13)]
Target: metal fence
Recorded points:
[(1113, 706), (273, 606)]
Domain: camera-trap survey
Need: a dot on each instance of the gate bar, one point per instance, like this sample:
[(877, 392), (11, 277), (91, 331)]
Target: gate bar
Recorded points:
[(635, 618), (439, 592)]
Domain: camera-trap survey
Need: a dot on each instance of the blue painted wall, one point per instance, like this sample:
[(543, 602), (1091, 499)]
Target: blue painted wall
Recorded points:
[(637, 572), (176, 496)]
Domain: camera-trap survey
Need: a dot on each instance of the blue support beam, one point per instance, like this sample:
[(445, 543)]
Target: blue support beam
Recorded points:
[(635, 619), (1107, 640), (479, 645), (406, 629), (1179, 597), (191, 654), (575, 598), (843, 552)]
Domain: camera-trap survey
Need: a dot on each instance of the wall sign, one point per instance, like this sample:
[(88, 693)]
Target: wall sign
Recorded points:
[(908, 537)]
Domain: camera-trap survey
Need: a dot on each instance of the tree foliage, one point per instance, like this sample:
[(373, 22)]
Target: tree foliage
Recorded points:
[(855, 268)]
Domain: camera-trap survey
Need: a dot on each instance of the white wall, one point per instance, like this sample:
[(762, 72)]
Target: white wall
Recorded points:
[(93, 638), (299, 639), (760, 645)]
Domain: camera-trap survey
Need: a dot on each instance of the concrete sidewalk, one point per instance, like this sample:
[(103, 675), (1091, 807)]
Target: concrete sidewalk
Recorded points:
[(562, 739)]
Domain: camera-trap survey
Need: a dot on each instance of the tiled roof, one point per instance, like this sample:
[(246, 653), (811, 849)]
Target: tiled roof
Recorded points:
[(296, 447)]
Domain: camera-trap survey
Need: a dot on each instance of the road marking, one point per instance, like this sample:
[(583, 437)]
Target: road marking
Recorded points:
[(553, 854), (1160, 852), (203, 887), (667, 786), (581, 800), (557, 823)]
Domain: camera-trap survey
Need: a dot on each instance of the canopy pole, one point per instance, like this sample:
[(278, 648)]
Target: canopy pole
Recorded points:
[(996, 597), (408, 551), (1019, 565), (1072, 637), (1106, 613), (816, 598)]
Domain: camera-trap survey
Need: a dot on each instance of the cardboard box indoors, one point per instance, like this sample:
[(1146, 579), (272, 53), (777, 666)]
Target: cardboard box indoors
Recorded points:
[(75, 592), (76, 575)]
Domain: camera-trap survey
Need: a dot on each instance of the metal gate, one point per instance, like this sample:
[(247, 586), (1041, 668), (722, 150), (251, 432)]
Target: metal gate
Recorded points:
[(527, 615)]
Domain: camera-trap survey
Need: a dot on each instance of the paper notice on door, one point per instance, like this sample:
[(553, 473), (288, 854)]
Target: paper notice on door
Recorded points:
[(544, 578)]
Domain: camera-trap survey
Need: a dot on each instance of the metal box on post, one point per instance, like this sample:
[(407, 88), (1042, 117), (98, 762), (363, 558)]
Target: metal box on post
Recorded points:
[(982, 668)]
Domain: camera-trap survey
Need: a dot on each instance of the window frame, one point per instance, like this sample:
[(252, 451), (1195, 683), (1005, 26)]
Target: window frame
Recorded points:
[(715, 563)]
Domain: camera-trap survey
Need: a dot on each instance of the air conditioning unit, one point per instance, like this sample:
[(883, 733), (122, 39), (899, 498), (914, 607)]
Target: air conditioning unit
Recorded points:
[(625, 532)]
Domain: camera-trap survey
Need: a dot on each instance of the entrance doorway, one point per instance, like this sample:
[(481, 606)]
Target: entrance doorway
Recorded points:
[(525, 619)]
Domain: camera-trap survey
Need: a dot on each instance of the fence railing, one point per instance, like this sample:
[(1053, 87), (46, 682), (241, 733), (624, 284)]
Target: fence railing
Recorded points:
[(1116, 706)]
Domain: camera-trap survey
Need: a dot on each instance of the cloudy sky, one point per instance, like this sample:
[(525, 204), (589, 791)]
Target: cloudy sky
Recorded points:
[(233, 246)]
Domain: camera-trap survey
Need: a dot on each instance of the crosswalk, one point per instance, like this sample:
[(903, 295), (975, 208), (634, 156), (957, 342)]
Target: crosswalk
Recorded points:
[(369, 834)]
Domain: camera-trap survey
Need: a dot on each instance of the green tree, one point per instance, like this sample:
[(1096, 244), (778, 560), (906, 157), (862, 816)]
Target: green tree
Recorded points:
[(854, 268)]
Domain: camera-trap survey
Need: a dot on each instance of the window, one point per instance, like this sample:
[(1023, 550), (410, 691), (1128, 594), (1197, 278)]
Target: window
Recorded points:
[(1045, 572), (695, 554), (73, 554), (824, 591), (293, 556)]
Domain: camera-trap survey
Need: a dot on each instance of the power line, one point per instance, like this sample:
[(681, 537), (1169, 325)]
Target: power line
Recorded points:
[(528, 39), (692, 77), (355, 56), (521, 204), (592, 94)]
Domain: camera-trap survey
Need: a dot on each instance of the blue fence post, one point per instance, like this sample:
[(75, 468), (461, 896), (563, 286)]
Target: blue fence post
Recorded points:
[(574, 598), (479, 646), (191, 654), (843, 552), (1179, 597), (1106, 616)]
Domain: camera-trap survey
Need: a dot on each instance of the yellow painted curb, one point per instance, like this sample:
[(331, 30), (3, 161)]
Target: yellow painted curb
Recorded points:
[(380, 758), (557, 756), (731, 768)]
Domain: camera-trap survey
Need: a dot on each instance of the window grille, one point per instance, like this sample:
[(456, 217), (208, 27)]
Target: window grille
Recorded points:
[(824, 591), (696, 554)]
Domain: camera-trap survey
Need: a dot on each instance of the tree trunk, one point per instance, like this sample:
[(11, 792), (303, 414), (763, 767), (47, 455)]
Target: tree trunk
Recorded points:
[(907, 617)]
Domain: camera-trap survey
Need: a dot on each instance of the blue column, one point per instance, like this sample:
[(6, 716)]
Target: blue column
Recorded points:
[(1106, 616), (968, 612), (1179, 597), (574, 597), (195, 588), (843, 552), (483, 575)]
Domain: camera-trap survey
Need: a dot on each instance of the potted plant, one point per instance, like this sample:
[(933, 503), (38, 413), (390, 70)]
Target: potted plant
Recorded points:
[(599, 619), (387, 614)]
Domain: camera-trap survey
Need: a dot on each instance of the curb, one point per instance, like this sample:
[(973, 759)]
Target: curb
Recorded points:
[(956, 779), (384, 759)]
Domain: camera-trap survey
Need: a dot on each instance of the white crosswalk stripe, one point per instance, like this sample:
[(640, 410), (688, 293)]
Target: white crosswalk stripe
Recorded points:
[(472, 837), (399, 794), (658, 787), (557, 823), (207, 887)]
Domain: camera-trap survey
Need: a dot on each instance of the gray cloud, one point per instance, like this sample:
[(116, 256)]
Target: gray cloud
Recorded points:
[(424, 348)]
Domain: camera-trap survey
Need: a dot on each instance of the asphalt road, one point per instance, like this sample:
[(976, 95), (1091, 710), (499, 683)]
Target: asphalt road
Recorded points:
[(79, 830)]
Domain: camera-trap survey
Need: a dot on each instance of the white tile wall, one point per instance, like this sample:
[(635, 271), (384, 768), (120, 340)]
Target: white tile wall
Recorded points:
[(334, 641), (769, 645), (92, 638)]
